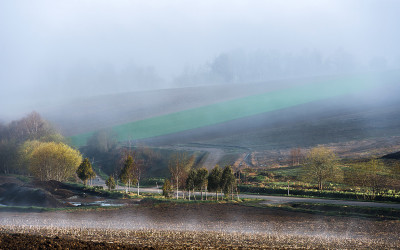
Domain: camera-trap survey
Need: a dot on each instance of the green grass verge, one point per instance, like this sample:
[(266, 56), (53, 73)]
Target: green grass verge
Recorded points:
[(312, 193), (173, 201), (152, 182), (33, 209), (23, 178), (24, 209), (341, 210)]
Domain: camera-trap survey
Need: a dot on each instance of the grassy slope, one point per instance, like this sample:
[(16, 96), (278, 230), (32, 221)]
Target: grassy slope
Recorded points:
[(236, 109)]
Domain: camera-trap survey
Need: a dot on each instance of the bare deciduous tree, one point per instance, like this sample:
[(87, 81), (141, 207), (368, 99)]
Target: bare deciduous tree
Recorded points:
[(372, 176), (296, 156), (320, 166), (179, 167)]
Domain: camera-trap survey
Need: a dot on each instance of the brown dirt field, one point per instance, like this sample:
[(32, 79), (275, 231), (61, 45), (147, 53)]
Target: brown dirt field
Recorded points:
[(26, 241), (204, 226)]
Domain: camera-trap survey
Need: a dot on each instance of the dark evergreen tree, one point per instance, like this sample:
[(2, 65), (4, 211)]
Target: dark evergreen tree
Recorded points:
[(85, 171), (167, 189), (191, 181), (127, 173), (110, 183), (201, 180), (214, 180), (227, 180)]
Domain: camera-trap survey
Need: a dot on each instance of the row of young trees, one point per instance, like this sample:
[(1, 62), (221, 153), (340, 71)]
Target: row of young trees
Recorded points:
[(185, 177), (222, 180), (130, 172)]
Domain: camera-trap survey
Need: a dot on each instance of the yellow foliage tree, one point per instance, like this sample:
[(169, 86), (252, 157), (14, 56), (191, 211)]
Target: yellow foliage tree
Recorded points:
[(53, 161), (320, 166)]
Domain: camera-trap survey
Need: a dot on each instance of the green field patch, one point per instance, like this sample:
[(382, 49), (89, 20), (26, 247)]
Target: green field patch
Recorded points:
[(341, 210)]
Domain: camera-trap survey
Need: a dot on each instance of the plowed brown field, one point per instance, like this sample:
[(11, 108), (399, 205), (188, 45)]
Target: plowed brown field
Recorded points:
[(194, 226)]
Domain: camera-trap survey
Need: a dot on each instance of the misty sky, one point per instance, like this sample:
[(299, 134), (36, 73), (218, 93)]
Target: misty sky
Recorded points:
[(48, 49)]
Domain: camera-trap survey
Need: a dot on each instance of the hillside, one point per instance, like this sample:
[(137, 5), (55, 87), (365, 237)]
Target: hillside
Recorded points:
[(365, 124), (318, 93), (98, 112), (245, 118)]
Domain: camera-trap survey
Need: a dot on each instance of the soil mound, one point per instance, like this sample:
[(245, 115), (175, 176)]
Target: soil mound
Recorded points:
[(13, 194), (56, 188), (392, 156)]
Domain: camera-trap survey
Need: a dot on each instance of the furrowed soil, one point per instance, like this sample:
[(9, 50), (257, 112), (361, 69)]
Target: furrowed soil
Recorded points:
[(198, 225)]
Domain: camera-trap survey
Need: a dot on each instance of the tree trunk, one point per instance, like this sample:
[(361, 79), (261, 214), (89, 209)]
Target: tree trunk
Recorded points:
[(138, 187), (189, 194), (177, 185)]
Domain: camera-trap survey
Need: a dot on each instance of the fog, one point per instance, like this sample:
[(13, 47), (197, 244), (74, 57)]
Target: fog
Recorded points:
[(52, 51)]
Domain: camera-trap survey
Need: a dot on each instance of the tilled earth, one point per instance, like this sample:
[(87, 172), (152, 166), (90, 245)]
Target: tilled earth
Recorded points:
[(193, 226)]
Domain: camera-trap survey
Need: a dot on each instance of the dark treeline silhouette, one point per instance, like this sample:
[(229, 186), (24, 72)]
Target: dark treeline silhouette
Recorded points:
[(259, 66)]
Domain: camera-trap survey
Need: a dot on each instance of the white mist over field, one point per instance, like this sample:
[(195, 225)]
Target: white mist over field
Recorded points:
[(52, 51)]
